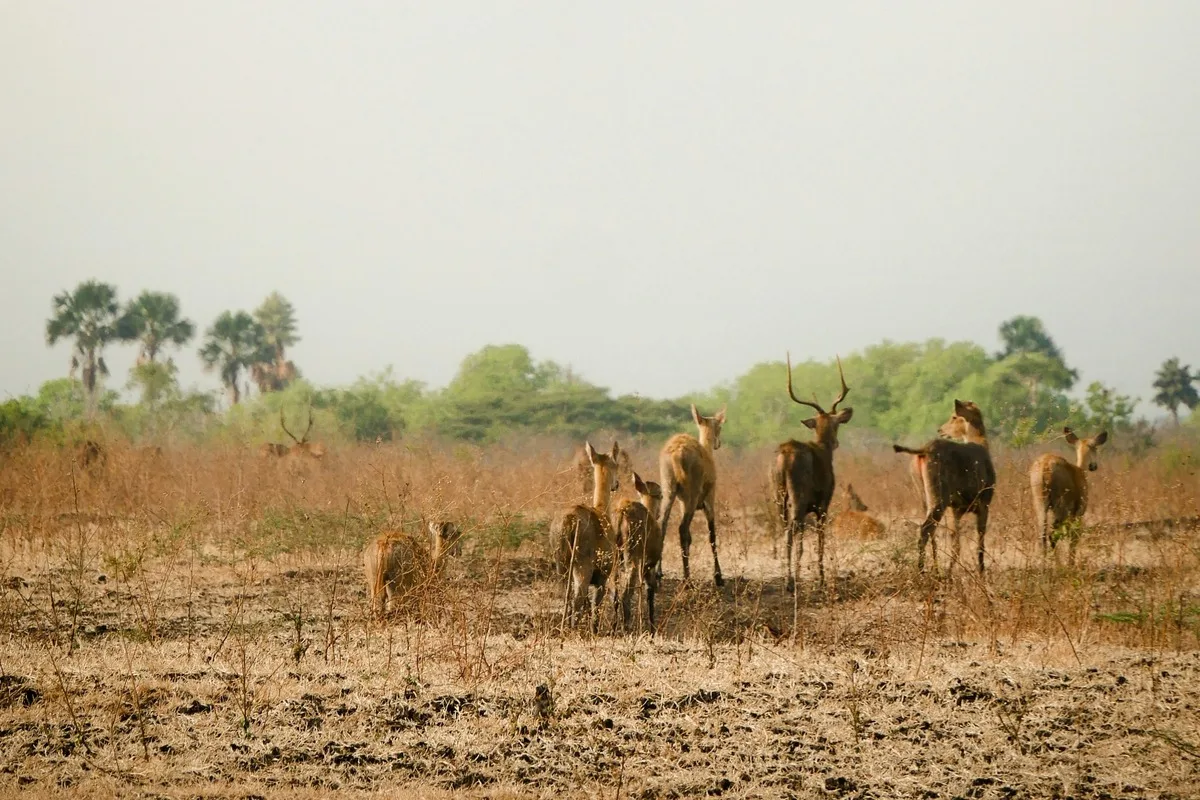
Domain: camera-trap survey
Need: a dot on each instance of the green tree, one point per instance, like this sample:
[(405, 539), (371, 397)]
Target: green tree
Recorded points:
[(153, 320), (277, 318), (233, 343), (90, 315), (1027, 336), (1175, 388), (1107, 410)]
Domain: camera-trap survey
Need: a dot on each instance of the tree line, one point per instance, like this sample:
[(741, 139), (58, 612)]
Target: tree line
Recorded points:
[(899, 389)]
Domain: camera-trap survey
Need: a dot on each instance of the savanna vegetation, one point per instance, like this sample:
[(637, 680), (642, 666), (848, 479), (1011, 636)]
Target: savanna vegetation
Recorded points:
[(181, 617)]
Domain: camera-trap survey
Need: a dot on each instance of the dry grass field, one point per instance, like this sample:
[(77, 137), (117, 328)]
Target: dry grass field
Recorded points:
[(194, 623)]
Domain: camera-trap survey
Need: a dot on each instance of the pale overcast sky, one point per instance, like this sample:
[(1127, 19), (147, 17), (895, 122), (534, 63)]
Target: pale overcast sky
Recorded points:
[(659, 194)]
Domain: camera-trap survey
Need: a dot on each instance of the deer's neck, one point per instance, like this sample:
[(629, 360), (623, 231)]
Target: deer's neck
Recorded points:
[(706, 439), (973, 436), (601, 494)]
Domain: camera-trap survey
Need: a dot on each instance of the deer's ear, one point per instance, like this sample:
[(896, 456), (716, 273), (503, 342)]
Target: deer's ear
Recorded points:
[(844, 416), (810, 423), (616, 451), (1070, 434), (1101, 438), (720, 417), (695, 414), (640, 484), (959, 406), (591, 452)]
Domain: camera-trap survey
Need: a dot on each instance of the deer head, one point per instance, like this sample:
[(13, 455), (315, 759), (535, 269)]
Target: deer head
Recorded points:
[(965, 424), (1087, 454), (607, 464), (709, 427), (825, 423), (302, 445), (650, 493)]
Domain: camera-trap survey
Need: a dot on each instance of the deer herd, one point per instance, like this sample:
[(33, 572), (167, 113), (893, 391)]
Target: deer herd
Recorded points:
[(596, 547)]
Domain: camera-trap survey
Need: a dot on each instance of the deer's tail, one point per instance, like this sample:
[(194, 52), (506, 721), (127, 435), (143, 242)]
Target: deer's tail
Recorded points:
[(915, 451)]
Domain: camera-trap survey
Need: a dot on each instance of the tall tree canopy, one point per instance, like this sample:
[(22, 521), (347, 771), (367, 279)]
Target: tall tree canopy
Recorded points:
[(233, 343), (277, 320), (90, 315), (1175, 387), (1025, 335), (154, 320)]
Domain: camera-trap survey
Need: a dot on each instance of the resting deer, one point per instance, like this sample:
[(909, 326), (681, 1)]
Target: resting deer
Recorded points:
[(584, 540), (583, 469), (688, 471), (396, 562), (802, 475), (855, 521), (302, 446), (1059, 488), (957, 476), (640, 544)]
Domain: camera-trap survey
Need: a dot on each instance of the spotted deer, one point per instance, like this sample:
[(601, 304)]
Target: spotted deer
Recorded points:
[(855, 521), (688, 471), (640, 544), (1060, 490), (584, 539), (802, 476), (956, 475), (397, 563)]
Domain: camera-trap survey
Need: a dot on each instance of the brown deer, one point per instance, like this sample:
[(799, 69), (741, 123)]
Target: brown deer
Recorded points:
[(1060, 491), (396, 563), (302, 446), (640, 544), (584, 540), (688, 471), (583, 469), (802, 475), (957, 476), (854, 521), (91, 453)]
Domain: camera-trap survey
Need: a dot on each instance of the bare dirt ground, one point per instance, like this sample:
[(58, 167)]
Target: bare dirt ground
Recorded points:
[(220, 646)]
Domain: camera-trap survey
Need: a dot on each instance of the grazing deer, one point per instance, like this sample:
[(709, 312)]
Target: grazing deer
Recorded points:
[(396, 562), (1060, 492), (583, 469), (583, 536), (802, 475), (956, 475), (640, 544), (688, 471), (855, 521)]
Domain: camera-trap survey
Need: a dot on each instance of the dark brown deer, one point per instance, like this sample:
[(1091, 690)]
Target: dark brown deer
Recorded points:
[(584, 540), (1059, 488), (802, 475), (640, 544), (688, 472), (957, 476), (398, 563)]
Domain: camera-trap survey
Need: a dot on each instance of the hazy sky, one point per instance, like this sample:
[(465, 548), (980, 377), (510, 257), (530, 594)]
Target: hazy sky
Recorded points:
[(659, 194)]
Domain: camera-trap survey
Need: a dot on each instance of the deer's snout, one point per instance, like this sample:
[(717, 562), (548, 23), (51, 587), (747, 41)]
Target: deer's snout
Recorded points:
[(1091, 467)]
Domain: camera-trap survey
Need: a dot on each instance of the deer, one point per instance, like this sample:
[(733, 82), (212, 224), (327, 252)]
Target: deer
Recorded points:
[(640, 545), (584, 539), (855, 521), (957, 475), (688, 472), (583, 469), (802, 475), (300, 448), (1059, 488), (91, 453), (396, 563)]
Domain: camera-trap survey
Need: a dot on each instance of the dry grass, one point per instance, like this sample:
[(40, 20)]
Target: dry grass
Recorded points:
[(195, 624)]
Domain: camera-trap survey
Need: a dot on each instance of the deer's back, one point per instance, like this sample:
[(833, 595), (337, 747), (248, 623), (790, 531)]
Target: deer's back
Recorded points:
[(959, 474), (811, 477), (637, 534), (685, 464), (396, 559), (1060, 485), (858, 524), (593, 543)]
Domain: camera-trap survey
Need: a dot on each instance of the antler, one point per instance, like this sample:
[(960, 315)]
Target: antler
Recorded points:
[(304, 438), (792, 392), (283, 425), (845, 388)]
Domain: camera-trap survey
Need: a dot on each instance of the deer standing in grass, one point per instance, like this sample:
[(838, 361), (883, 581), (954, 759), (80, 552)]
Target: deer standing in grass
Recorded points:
[(396, 563), (688, 471), (640, 544), (855, 521), (802, 476), (585, 543), (583, 469), (1059, 488), (956, 475)]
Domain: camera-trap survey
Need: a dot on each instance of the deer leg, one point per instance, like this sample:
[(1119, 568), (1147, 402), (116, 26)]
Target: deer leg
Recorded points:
[(927, 528), (981, 520), (710, 513), (667, 506), (953, 519), (821, 550), (685, 538)]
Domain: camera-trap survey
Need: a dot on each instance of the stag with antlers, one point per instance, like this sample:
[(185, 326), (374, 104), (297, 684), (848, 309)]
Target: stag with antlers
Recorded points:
[(302, 446), (802, 475)]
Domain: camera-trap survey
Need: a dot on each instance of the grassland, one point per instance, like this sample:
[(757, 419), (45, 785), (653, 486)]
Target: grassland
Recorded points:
[(194, 624)]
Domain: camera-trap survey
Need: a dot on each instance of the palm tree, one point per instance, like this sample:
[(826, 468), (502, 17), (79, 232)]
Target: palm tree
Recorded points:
[(153, 319), (278, 320), (91, 315), (234, 342), (1174, 384)]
